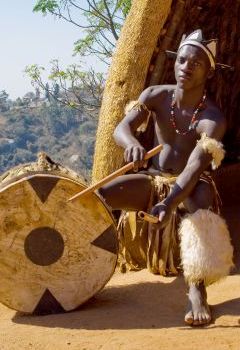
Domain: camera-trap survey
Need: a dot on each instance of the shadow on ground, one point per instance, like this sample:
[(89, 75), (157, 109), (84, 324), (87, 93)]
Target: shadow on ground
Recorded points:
[(144, 305), (138, 306)]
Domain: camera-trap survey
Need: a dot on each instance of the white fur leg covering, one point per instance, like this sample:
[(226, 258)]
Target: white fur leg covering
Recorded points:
[(206, 250)]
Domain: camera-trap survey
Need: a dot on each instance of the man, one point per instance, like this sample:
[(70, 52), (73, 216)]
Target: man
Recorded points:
[(189, 126)]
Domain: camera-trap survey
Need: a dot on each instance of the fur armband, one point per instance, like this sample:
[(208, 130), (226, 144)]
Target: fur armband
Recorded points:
[(214, 147), (139, 106)]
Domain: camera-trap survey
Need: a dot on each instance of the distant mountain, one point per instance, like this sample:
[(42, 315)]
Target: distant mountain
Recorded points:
[(65, 134)]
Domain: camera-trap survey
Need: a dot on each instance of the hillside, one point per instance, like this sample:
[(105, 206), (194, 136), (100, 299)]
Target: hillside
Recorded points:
[(65, 134)]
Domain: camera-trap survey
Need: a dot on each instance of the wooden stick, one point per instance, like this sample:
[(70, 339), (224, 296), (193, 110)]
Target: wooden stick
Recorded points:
[(147, 217), (117, 173)]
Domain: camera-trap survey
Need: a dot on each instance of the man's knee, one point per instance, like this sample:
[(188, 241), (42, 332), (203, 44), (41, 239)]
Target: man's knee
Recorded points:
[(201, 197), (128, 192)]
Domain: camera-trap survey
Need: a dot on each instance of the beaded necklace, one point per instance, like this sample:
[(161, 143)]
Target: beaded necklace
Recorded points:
[(194, 116)]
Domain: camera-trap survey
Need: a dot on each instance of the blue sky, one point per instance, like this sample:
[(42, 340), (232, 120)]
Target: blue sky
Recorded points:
[(28, 38)]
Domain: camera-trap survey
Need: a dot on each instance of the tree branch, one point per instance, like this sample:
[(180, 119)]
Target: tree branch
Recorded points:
[(110, 20)]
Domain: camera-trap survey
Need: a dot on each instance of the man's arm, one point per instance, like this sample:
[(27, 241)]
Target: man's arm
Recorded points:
[(198, 161), (124, 132)]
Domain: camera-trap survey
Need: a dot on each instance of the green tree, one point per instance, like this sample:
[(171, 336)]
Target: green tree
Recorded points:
[(46, 88), (19, 102), (28, 98), (101, 21), (79, 89), (56, 91), (3, 101), (37, 93)]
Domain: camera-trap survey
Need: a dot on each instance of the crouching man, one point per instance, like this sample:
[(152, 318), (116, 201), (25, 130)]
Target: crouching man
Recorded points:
[(190, 128)]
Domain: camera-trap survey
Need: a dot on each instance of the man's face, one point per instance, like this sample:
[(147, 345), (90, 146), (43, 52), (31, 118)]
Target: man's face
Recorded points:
[(192, 67)]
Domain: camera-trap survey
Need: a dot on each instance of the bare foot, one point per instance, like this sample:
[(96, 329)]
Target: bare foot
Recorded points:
[(198, 312)]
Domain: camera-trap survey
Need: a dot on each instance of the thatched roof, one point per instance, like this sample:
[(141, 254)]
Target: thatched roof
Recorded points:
[(127, 77)]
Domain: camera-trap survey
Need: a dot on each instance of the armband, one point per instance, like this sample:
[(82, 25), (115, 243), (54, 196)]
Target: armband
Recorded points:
[(138, 106), (213, 147)]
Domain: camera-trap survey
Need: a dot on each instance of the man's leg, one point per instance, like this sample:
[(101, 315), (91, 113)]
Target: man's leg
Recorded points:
[(205, 249), (128, 192)]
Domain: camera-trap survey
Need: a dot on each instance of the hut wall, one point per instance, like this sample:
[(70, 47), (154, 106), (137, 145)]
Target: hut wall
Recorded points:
[(218, 19), (140, 61)]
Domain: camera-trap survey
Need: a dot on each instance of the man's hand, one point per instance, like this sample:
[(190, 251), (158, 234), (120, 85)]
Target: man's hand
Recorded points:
[(163, 212), (135, 153)]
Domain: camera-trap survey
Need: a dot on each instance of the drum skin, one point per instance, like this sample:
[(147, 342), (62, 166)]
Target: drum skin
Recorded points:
[(54, 254)]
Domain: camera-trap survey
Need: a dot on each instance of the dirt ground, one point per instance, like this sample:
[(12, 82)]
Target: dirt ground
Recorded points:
[(136, 310)]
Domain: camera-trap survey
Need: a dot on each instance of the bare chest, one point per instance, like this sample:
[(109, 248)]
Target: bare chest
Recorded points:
[(179, 131)]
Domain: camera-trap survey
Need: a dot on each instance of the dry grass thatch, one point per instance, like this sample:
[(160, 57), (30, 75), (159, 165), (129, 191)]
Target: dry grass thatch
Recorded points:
[(127, 77)]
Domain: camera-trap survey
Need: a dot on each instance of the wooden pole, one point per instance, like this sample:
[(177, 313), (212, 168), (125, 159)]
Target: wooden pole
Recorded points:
[(116, 173)]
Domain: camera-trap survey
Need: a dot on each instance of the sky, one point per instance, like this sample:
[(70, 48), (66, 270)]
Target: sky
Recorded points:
[(31, 38)]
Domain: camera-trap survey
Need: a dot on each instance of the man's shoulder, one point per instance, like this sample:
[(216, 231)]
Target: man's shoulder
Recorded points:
[(155, 93), (212, 112), (213, 121)]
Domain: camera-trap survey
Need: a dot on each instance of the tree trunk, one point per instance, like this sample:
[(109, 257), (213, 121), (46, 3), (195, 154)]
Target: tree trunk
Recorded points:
[(127, 77)]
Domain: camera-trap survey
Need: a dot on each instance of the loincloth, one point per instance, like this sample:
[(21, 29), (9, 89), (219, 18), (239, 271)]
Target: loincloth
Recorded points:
[(143, 245)]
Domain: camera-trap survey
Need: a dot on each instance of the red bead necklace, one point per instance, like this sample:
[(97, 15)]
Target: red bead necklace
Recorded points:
[(194, 116)]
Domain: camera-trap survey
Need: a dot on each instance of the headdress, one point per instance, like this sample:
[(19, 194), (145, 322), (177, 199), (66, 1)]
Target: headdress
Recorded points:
[(208, 46)]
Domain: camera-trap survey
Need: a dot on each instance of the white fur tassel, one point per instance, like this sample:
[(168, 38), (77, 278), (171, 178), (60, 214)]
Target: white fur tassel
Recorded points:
[(214, 147), (206, 250)]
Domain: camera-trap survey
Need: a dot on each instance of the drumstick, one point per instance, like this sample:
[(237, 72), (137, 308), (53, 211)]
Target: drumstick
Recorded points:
[(115, 174), (147, 217)]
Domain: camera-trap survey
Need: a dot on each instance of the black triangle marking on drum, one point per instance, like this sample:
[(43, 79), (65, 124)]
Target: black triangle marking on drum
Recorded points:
[(107, 240), (43, 186), (48, 305)]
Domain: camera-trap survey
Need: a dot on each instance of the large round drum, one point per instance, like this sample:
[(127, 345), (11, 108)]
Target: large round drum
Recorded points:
[(54, 254)]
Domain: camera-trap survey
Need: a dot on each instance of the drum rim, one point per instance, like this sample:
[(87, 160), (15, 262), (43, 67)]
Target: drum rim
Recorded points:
[(31, 174)]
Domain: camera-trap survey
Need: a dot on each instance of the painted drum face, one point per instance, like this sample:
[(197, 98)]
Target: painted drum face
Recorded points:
[(54, 254)]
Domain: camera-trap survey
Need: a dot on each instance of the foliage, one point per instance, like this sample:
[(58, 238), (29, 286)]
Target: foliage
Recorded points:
[(81, 90), (101, 21), (3, 101)]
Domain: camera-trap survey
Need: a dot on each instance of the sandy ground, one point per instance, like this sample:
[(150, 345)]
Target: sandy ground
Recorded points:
[(136, 310)]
